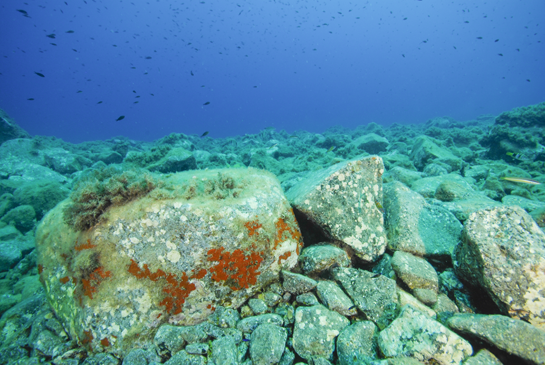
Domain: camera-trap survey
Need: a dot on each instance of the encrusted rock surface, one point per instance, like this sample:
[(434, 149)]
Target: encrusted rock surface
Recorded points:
[(212, 239)]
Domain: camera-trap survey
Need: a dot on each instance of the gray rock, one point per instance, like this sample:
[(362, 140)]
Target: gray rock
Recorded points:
[(183, 358), (258, 306), (425, 151), (267, 344), (23, 218), (384, 267), (287, 357), (444, 304), (416, 273), (224, 317), (271, 299), (373, 294), (502, 251), (357, 343), (141, 357), (415, 335), (10, 255), (249, 324), (101, 359), (9, 233), (483, 357), (7, 301), (197, 348), (449, 191), (41, 195), (177, 159), (307, 299), (333, 297), (371, 143), (192, 334), (169, 340), (7, 202), (514, 336), (417, 227), (224, 351), (315, 330), (526, 204), (342, 201), (434, 169), (64, 162), (9, 129), (427, 187), (405, 176), (317, 258)]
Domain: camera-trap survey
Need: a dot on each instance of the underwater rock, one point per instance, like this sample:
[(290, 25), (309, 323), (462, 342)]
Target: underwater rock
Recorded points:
[(415, 335), (514, 336), (417, 227), (426, 151), (417, 274), (9, 129), (503, 252), (205, 238), (317, 258), (526, 116), (371, 143), (344, 201)]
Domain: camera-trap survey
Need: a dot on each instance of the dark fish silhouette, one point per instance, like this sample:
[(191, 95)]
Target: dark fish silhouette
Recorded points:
[(100, 102), (39, 74), (192, 74), (69, 31), (23, 12), (53, 44), (479, 37), (52, 35), (205, 134), (120, 118), (30, 99), (206, 103)]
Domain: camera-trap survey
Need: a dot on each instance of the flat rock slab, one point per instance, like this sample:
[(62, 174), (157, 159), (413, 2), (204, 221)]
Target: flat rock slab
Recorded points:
[(345, 201), (206, 238), (503, 251), (512, 335)]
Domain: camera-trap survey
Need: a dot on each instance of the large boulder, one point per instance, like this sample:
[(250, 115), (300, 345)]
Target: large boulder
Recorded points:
[(202, 239), (345, 201), (503, 252)]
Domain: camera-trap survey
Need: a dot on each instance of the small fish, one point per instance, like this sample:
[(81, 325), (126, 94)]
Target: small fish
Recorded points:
[(69, 31), (352, 307), (379, 206), (375, 276), (206, 103), (192, 74), (528, 80), (479, 37), (52, 35), (205, 134), (120, 118), (39, 74), (30, 99), (79, 91), (246, 340), (497, 40), (273, 146), (331, 149), (500, 54), (294, 137), (54, 44), (148, 58), (454, 47), (518, 156), (100, 102), (521, 180), (24, 12)]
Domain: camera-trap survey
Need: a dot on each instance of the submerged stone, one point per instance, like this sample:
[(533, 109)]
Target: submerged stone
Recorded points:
[(204, 239)]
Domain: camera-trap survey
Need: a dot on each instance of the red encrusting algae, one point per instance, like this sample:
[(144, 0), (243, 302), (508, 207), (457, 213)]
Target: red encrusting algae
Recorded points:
[(84, 246), (96, 277), (236, 266), (252, 227), (177, 290)]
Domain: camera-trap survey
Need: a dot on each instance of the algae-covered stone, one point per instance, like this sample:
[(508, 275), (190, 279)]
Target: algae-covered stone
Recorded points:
[(373, 294), (483, 357), (224, 351), (417, 274), (357, 343), (201, 240), (315, 330), (503, 252), (333, 297), (267, 344), (344, 200), (417, 227), (415, 335), (514, 336), (317, 258)]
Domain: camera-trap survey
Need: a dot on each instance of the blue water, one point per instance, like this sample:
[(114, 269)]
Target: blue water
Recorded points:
[(286, 64)]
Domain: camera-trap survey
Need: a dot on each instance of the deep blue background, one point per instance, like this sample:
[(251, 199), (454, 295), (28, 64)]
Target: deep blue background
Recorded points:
[(288, 64)]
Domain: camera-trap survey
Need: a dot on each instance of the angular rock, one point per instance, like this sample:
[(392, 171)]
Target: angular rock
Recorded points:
[(224, 351), (267, 344), (371, 143), (373, 294), (308, 299), (168, 339), (23, 218), (405, 298), (183, 358), (514, 336), (317, 258), (41, 195), (415, 335), (416, 226), (258, 306), (64, 162), (333, 297), (342, 201), (483, 357), (503, 251), (315, 330), (357, 343), (416, 273), (297, 283), (203, 239), (10, 255), (9, 129), (425, 151), (249, 324)]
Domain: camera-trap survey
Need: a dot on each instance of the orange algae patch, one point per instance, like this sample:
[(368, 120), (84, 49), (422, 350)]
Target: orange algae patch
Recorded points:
[(40, 268), (201, 274), (96, 277), (284, 231), (104, 342), (177, 290), (284, 256), (236, 266), (252, 227), (84, 246), (64, 280)]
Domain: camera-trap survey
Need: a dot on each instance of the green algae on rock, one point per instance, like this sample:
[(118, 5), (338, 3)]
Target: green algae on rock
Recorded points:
[(205, 238)]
